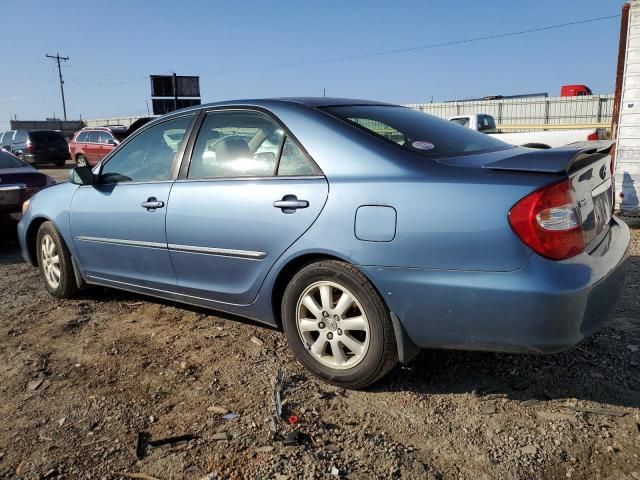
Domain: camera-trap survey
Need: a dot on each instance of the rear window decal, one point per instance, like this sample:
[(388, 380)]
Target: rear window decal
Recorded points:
[(422, 145)]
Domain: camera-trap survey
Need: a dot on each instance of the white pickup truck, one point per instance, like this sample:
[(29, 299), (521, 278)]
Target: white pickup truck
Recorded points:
[(537, 139)]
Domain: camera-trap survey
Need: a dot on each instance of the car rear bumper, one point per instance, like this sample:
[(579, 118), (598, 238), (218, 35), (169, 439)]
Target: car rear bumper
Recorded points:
[(543, 307), (46, 157)]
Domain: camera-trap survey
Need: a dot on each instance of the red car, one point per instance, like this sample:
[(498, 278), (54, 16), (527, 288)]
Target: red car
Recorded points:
[(90, 145)]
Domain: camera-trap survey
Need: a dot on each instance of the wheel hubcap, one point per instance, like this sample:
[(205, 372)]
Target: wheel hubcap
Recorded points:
[(50, 261), (332, 325)]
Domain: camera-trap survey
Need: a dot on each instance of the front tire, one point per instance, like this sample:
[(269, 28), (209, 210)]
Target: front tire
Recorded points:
[(55, 264), (337, 325)]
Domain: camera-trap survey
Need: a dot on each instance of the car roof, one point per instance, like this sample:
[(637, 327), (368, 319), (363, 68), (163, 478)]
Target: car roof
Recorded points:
[(313, 102), (108, 129)]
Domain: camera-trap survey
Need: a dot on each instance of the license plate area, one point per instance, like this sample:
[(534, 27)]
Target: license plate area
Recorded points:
[(602, 208), (10, 195)]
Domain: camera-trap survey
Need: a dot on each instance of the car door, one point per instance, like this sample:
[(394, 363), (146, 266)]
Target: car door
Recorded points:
[(238, 205), (118, 224), (107, 143)]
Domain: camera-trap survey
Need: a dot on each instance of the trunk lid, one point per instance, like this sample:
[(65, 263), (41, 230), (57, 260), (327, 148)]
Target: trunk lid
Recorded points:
[(588, 168)]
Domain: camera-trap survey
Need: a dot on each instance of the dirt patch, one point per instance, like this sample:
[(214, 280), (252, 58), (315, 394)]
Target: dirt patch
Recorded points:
[(80, 379)]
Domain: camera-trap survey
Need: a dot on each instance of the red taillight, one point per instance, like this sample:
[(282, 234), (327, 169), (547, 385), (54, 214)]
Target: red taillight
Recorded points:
[(593, 136), (548, 221), (28, 147)]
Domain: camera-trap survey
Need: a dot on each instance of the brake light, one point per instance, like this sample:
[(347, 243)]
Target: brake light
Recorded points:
[(548, 221), (28, 147), (593, 136)]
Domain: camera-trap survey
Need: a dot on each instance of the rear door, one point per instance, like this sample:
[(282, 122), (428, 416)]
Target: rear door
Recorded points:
[(92, 147), (118, 224), (249, 192)]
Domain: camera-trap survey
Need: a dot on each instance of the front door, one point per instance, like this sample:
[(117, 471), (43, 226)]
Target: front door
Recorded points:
[(118, 224), (249, 194)]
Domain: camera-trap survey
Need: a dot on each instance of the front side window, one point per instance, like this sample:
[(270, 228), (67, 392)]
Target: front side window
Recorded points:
[(149, 156), (417, 132)]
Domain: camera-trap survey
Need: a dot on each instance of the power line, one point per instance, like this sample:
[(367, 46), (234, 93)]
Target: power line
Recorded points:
[(132, 79), (57, 58), (412, 49)]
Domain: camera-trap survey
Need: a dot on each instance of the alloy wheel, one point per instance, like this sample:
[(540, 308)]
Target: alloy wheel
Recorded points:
[(332, 325), (50, 261)]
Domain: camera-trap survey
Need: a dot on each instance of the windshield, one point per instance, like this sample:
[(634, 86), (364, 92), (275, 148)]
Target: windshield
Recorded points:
[(9, 161), (418, 132)]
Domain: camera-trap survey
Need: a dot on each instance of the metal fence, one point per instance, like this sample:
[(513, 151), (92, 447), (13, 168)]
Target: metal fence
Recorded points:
[(526, 113), (101, 122)]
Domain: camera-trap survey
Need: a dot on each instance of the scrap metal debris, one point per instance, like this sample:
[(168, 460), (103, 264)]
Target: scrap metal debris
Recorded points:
[(296, 438), (144, 441)]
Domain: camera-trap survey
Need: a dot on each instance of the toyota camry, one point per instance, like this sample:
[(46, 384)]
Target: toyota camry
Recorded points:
[(366, 231)]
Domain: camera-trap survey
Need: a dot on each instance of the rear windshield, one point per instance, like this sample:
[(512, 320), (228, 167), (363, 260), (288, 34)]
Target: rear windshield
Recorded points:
[(418, 132), (9, 161), (52, 138)]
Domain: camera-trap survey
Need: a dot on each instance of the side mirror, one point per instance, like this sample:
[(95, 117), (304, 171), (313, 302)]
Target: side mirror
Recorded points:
[(82, 176), (111, 141)]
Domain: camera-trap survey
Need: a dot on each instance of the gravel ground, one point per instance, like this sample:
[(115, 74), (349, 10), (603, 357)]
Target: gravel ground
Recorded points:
[(79, 379)]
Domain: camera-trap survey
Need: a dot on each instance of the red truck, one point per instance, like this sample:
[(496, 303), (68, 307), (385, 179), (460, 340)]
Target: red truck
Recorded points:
[(575, 91)]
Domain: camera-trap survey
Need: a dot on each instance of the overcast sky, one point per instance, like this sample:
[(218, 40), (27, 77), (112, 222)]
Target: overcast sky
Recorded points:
[(113, 47)]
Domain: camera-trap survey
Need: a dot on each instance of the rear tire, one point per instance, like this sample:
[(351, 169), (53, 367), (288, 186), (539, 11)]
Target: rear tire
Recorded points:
[(54, 260), (338, 294), (81, 161)]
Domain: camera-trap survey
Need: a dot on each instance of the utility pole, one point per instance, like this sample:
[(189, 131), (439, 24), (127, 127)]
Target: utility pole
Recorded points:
[(57, 58)]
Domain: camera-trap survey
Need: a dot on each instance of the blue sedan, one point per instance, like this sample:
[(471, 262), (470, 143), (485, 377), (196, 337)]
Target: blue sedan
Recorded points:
[(366, 231)]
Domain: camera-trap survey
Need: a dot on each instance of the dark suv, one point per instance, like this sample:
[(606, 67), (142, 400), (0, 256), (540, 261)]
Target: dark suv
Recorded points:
[(37, 146)]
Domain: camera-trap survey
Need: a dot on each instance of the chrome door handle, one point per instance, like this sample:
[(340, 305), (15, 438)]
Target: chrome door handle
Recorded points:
[(152, 203), (290, 203)]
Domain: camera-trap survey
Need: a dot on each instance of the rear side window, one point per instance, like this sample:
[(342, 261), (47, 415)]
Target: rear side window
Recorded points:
[(485, 122), (462, 121), (21, 136), (293, 162), (93, 137), (245, 144), (423, 134), (82, 137)]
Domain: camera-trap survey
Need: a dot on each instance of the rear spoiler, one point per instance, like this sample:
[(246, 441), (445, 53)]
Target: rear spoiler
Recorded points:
[(554, 160)]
